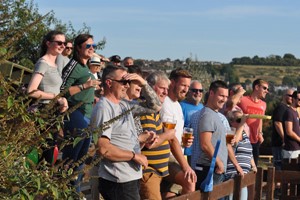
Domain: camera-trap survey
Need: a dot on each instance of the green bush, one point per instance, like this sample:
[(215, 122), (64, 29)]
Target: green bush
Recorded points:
[(21, 177)]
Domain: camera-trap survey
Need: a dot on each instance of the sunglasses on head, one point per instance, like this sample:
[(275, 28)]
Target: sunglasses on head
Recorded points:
[(69, 48), (59, 43), (197, 90), (87, 46), (122, 81)]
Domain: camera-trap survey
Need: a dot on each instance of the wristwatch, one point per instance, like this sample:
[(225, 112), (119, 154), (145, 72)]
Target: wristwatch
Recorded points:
[(80, 87)]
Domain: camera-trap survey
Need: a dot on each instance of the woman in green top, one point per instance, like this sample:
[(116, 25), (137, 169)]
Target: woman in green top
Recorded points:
[(79, 85)]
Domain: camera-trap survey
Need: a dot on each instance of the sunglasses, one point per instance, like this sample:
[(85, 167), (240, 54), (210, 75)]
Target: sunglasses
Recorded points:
[(197, 90), (59, 43), (90, 45), (265, 88), (69, 48), (122, 81), (289, 95), (238, 120)]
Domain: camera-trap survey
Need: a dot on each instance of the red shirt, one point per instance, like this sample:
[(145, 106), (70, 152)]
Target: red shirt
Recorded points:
[(250, 107)]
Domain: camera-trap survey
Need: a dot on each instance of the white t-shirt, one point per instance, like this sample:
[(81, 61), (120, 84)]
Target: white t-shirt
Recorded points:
[(172, 108)]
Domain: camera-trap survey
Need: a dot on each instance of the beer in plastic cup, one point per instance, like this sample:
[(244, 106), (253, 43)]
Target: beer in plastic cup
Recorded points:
[(230, 134), (169, 123), (187, 134)]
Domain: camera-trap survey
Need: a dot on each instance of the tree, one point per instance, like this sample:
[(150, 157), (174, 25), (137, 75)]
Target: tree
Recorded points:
[(22, 34), (289, 81), (23, 133), (288, 56)]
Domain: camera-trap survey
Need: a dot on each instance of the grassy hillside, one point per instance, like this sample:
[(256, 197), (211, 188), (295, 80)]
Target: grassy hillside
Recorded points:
[(269, 73)]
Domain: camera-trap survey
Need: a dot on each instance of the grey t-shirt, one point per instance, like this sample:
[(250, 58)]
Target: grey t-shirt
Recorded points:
[(210, 121), (61, 62), (122, 134), (51, 80)]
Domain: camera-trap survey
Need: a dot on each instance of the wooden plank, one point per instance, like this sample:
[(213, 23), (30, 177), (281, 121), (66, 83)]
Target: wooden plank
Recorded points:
[(190, 196), (258, 184), (251, 192), (287, 176), (270, 183), (291, 164), (268, 157), (249, 179), (222, 190), (288, 180), (237, 187)]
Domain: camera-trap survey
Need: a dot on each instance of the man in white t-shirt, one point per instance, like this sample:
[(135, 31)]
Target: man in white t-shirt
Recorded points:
[(179, 86)]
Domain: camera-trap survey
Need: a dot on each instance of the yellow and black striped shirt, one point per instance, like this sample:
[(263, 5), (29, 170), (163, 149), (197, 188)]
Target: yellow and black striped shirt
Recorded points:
[(158, 157)]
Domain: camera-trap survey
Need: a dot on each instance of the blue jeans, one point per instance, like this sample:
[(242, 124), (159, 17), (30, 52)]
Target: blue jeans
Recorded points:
[(72, 129), (119, 191), (201, 175), (277, 157)]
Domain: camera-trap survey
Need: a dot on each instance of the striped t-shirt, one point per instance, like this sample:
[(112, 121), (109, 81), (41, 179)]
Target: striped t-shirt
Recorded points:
[(243, 154), (158, 157)]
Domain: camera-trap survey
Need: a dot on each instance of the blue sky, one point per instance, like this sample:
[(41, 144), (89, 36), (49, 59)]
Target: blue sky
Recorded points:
[(210, 30)]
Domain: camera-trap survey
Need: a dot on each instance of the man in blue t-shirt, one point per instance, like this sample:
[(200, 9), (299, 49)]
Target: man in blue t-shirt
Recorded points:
[(189, 106)]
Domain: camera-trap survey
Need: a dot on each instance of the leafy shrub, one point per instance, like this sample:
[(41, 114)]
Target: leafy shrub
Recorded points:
[(21, 177)]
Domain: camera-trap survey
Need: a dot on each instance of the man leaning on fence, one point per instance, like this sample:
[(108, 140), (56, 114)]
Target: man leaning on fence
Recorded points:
[(121, 167), (210, 129)]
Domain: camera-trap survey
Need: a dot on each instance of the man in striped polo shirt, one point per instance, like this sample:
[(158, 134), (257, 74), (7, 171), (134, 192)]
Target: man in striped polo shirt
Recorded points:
[(158, 153)]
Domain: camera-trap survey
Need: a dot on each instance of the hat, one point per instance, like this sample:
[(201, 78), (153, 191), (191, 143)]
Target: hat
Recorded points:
[(95, 61), (115, 58)]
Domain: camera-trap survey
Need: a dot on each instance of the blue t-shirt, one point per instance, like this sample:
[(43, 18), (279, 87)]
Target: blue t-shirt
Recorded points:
[(188, 109)]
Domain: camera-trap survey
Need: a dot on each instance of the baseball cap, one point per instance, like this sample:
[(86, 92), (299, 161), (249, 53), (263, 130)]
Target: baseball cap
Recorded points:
[(115, 58)]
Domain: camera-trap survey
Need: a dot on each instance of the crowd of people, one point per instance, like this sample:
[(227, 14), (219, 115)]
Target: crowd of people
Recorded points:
[(143, 155)]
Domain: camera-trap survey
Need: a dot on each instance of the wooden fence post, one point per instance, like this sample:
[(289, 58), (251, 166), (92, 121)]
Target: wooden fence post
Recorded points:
[(237, 187), (270, 183), (258, 184)]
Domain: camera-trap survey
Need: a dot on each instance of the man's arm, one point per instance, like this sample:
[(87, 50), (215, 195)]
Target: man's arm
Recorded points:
[(289, 131), (260, 135), (177, 152), (279, 129), (207, 147), (168, 134), (234, 99), (113, 153)]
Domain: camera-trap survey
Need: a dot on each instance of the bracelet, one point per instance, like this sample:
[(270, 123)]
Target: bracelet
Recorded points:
[(133, 155), (81, 87)]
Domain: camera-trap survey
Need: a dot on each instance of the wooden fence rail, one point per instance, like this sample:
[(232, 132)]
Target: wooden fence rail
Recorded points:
[(226, 188), (257, 185), (17, 73)]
